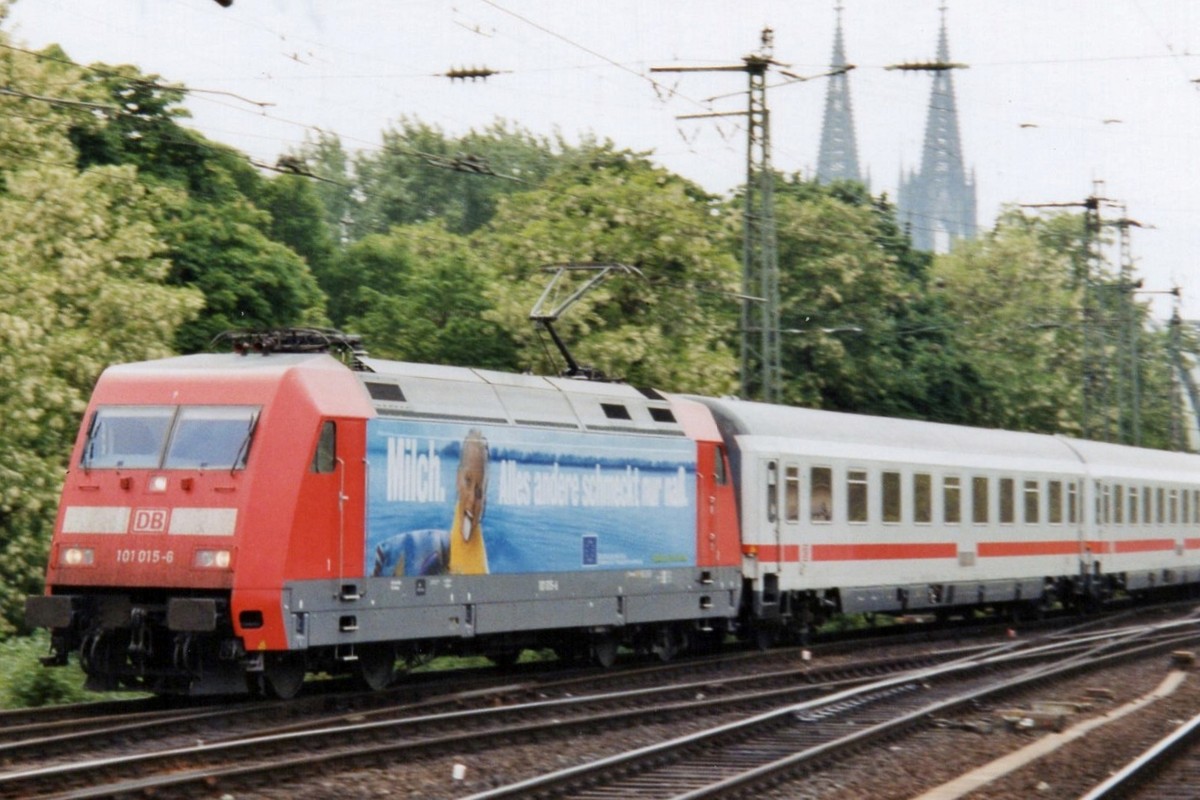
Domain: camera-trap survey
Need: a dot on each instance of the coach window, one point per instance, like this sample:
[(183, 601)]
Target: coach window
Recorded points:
[(892, 503), (325, 459), (979, 500), (922, 497), (856, 496), (951, 500), (821, 494), (1103, 503), (1174, 506), (1133, 505), (1160, 504), (1032, 513), (791, 494), (1007, 501), (772, 491), (1118, 504), (1072, 502), (1147, 506), (1185, 514), (1054, 498)]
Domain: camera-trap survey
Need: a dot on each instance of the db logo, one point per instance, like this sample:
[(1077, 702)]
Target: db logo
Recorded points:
[(150, 520)]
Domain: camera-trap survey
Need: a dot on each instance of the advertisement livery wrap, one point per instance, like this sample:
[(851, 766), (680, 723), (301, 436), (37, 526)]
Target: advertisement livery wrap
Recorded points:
[(473, 499)]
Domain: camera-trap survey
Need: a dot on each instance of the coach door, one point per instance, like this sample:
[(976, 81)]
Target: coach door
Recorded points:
[(771, 556), (791, 537)]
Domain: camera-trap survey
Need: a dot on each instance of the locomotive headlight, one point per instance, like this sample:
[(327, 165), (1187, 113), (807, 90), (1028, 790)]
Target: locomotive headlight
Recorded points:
[(212, 559), (78, 557)]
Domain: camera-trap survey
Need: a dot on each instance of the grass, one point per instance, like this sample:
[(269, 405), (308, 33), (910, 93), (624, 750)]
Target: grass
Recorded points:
[(25, 683)]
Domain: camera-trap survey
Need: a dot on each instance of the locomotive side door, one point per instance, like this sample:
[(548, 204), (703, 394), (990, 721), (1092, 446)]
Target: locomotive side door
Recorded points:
[(330, 507)]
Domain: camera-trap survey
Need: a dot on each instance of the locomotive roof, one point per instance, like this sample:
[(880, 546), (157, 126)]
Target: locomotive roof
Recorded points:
[(431, 391), (229, 377)]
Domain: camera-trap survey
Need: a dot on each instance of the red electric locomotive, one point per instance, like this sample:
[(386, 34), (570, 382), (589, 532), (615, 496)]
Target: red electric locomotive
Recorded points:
[(240, 520)]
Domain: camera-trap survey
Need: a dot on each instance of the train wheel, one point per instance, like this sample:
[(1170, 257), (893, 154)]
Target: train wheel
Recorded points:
[(376, 666), (604, 650), (765, 638), (668, 643), (283, 674)]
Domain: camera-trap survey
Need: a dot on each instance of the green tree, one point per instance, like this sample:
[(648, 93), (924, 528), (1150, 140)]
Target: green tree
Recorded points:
[(421, 174), (423, 297), (1016, 302), (81, 286), (220, 234), (673, 328), (861, 330)]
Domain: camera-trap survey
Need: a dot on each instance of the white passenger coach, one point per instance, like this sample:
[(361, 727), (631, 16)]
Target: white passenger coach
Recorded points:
[(849, 513)]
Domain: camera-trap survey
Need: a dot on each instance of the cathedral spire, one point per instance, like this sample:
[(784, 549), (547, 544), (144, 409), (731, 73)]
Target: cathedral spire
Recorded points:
[(838, 159), (938, 202)]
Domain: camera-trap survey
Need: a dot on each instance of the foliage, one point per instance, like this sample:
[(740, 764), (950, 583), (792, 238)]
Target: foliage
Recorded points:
[(248, 280), (221, 238), (861, 331), (25, 683), (421, 174), (82, 284), (419, 293), (1017, 304), (670, 329)]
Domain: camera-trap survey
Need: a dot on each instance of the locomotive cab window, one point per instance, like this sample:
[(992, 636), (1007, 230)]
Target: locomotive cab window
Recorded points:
[(211, 437), (127, 436), (720, 470), (170, 437), (325, 457)]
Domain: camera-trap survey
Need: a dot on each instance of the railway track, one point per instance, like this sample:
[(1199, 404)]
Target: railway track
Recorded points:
[(244, 743), (1170, 770), (476, 721), (740, 758)]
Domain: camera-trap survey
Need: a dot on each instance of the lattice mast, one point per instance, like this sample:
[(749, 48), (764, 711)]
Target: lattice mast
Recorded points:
[(838, 157), (939, 201), (761, 367), (760, 254)]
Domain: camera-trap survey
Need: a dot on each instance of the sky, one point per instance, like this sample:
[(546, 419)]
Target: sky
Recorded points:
[(1060, 99)]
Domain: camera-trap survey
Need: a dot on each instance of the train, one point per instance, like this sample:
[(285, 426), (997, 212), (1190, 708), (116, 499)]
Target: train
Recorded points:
[(234, 522)]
